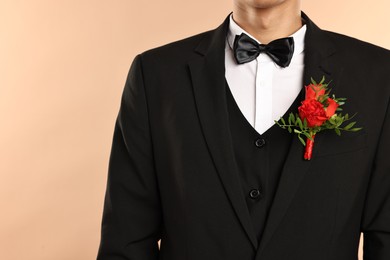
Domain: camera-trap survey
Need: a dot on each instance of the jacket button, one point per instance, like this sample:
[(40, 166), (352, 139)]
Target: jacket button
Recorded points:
[(254, 194), (260, 142)]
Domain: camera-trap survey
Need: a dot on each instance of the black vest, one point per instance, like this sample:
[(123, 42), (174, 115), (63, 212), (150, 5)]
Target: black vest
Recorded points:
[(260, 158)]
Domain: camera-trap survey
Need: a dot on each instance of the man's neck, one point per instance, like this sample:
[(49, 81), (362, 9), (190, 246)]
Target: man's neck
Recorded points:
[(268, 24)]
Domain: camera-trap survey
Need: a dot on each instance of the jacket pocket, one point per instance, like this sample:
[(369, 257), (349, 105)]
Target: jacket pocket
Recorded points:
[(335, 145)]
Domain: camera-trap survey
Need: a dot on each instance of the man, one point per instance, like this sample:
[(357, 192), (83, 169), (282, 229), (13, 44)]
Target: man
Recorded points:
[(198, 162)]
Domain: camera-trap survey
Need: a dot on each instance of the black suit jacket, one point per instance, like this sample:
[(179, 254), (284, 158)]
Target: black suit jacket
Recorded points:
[(172, 175)]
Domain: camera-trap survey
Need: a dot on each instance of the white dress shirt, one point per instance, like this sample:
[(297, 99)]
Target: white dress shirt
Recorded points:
[(263, 90)]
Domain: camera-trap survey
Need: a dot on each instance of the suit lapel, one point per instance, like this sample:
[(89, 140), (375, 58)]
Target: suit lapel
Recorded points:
[(207, 71), (319, 51)]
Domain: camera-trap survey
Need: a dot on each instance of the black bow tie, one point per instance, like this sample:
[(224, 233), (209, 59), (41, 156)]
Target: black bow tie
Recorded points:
[(247, 49)]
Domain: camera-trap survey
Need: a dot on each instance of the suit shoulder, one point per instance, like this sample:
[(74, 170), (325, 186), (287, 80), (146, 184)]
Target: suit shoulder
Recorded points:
[(176, 50), (363, 49)]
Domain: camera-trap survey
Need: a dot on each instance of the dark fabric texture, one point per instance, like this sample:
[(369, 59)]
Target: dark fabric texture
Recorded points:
[(174, 173), (259, 159)]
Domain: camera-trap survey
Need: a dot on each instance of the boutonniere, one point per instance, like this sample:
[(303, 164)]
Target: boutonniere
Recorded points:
[(316, 113)]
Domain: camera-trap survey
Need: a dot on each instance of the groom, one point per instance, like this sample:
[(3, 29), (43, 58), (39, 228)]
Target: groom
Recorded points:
[(198, 162)]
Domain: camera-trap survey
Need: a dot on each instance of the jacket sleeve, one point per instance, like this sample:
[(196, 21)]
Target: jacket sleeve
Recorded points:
[(131, 221), (376, 214)]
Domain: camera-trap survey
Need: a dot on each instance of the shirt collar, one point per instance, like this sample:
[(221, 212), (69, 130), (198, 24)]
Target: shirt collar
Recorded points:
[(235, 29)]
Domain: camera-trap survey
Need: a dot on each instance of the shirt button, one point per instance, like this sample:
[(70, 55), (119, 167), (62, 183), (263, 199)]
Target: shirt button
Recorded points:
[(260, 142), (254, 194)]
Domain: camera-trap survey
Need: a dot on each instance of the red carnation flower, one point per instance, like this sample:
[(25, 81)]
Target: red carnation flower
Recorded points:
[(313, 111)]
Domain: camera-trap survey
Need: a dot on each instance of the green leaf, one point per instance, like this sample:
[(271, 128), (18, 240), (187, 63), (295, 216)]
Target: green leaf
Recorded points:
[(289, 129), (299, 121), (356, 129), (291, 119), (301, 139), (332, 120), (337, 131), (352, 116), (282, 120), (307, 135), (322, 80), (304, 123), (313, 81), (297, 131), (339, 120), (349, 126)]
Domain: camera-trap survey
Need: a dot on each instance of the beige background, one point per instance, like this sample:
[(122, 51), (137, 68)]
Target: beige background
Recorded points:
[(63, 65)]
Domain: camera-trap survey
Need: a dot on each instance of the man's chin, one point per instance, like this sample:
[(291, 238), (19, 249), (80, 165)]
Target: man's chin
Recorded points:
[(264, 4)]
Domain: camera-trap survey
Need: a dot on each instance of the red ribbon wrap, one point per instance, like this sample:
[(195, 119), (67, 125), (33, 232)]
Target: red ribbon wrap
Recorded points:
[(309, 148)]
